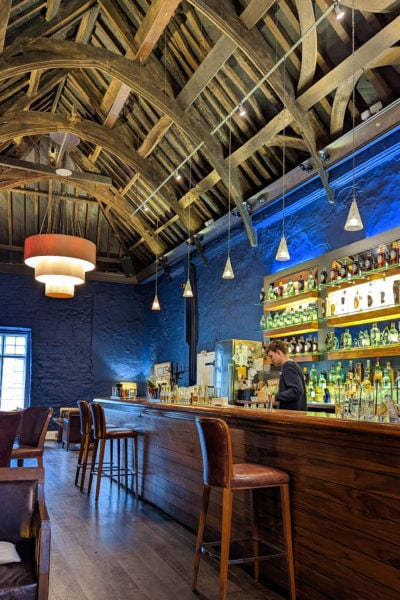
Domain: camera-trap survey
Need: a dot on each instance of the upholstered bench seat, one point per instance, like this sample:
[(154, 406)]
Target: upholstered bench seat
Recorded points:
[(17, 580)]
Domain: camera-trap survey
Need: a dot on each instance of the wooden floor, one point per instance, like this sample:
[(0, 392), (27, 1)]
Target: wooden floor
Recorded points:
[(124, 549)]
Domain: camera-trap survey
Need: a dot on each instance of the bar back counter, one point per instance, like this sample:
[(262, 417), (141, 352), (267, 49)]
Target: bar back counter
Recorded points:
[(344, 480)]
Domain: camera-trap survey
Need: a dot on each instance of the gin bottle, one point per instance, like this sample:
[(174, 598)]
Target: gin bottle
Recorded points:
[(375, 335)]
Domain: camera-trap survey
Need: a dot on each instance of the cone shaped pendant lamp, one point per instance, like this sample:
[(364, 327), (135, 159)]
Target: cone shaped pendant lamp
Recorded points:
[(188, 292), (353, 221), (283, 252), (228, 270)]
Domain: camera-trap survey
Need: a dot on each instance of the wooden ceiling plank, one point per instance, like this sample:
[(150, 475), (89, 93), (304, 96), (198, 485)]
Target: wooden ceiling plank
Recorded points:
[(153, 25), (52, 9), (5, 10), (305, 11)]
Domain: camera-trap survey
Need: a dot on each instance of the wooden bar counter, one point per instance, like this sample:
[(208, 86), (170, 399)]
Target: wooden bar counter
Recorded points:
[(345, 489)]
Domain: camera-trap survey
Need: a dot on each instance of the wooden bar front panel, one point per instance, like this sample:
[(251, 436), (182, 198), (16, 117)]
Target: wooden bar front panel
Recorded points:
[(345, 490)]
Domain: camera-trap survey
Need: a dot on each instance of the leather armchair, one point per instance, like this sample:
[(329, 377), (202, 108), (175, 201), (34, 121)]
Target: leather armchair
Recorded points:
[(25, 523)]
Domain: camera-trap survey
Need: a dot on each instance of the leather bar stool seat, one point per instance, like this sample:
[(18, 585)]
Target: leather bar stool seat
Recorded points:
[(219, 471), (101, 435)]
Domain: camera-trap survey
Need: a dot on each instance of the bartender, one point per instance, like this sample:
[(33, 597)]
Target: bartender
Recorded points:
[(291, 393)]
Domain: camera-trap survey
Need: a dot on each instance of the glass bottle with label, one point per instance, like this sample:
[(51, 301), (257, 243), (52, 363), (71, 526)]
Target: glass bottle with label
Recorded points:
[(381, 257), (310, 281), (393, 334), (390, 372), (367, 339), (314, 375), (271, 293), (375, 335), (355, 267), (262, 295), (369, 262), (291, 289), (378, 374), (347, 339), (344, 269), (323, 277), (333, 275), (300, 284), (394, 254)]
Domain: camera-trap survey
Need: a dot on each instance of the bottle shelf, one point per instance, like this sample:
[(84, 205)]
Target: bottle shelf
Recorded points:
[(371, 351), (374, 275), (365, 316), (287, 301), (304, 357), (297, 329)]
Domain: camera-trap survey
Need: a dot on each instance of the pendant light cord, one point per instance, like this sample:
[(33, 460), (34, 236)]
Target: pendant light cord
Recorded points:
[(284, 152), (353, 93), (229, 186)]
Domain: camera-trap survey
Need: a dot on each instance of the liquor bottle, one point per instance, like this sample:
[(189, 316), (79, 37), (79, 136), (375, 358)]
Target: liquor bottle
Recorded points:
[(309, 345), (327, 396), (381, 257), (390, 372), (322, 381), (375, 334), (280, 289), (302, 344), (269, 322), (344, 269), (367, 339), (357, 301), (339, 373), (369, 262), (368, 372), (350, 372), (263, 322), (347, 339), (394, 254), (378, 374), (314, 375), (300, 283), (333, 275), (310, 281), (310, 392), (393, 334), (355, 267), (313, 312), (315, 345), (366, 381), (262, 295), (386, 383), (358, 375), (306, 376), (370, 296), (271, 293), (385, 337), (323, 277), (396, 291), (291, 289), (343, 302), (332, 375)]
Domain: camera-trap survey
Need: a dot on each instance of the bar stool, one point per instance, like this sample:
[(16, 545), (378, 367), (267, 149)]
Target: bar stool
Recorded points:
[(219, 471), (86, 442), (101, 434)]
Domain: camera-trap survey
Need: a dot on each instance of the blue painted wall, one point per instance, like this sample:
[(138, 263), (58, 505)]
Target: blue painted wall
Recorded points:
[(108, 333), (80, 347)]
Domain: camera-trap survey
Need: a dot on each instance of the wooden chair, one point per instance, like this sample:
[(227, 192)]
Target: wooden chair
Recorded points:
[(101, 435), (25, 522), (219, 471), (34, 425), (86, 442), (9, 423), (71, 429)]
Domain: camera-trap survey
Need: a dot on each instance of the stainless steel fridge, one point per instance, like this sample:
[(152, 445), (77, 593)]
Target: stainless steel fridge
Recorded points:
[(238, 368)]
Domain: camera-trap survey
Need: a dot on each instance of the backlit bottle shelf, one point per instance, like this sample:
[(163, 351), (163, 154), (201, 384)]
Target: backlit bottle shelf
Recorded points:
[(297, 329), (288, 301), (370, 351), (373, 275), (303, 357), (366, 316)]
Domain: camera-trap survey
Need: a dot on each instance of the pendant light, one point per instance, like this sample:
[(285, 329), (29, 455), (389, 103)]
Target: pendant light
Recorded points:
[(228, 271), (353, 221), (283, 252), (156, 304), (188, 292)]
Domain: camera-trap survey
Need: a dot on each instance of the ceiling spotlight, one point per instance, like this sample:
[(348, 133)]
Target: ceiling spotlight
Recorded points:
[(324, 155), (306, 167), (242, 110), (178, 176), (339, 12)]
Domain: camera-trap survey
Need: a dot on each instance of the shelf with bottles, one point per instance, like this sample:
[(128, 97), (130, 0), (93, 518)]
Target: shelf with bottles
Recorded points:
[(297, 329), (360, 353), (366, 342), (363, 303), (374, 264), (292, 290)]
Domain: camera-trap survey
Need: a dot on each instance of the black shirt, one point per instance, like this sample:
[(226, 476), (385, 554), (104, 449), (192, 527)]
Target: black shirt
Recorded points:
[(292, 391)]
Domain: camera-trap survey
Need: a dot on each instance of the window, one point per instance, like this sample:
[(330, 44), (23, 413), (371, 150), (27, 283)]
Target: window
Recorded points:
[(15, 354)]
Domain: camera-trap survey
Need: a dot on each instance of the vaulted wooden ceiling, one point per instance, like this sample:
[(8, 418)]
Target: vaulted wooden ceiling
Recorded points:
[(130, 93)]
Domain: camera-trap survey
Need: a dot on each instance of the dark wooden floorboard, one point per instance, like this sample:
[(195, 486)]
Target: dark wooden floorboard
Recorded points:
[(124, 549)]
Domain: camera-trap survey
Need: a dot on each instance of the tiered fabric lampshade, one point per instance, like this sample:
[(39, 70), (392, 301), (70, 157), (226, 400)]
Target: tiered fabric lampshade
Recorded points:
[(60, 261)]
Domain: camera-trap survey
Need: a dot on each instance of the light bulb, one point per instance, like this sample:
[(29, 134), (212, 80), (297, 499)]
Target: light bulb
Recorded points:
[(228, 271)]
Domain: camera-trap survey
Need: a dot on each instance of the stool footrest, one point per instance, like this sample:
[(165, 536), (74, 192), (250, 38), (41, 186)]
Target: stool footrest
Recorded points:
[(241, 550)]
